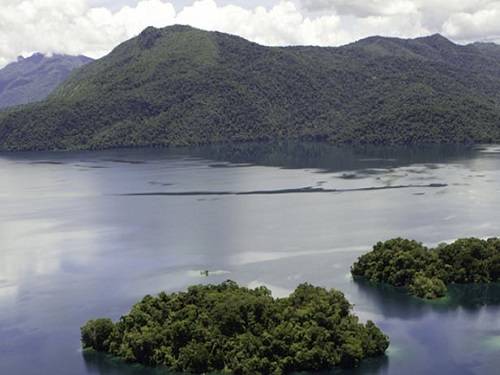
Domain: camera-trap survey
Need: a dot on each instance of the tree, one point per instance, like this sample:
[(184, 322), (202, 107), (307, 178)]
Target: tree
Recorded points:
[(96, 333), (230, 328), (425, 272)]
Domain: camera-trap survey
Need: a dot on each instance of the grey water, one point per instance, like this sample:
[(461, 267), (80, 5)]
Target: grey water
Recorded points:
[(87, 234)]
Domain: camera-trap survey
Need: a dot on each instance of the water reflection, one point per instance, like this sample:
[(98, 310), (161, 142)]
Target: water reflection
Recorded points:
[(98, 363), (303, 155), (377, 365), (473, 297), (396, 302), (102, 364), (286, 154)]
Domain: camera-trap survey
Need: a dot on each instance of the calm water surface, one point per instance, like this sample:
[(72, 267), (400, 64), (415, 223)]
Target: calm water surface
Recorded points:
[(85, 235)]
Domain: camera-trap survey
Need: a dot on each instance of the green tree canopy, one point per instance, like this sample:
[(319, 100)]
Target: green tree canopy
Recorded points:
[(243, 331), (425, 272)]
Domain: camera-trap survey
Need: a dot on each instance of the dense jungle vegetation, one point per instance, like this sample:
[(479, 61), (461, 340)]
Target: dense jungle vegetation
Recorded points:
[(426, 272), (182, 86), (238, 330)]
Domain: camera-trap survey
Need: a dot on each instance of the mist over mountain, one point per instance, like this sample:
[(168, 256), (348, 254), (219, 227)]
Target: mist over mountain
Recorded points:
[(182, 86), (34, 78)]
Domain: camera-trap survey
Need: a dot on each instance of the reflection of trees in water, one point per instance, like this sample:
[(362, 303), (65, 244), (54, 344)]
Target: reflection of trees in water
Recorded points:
[(391, 301), (395, 302), (473, 296), (368, 366), (103, 364), (371, 366), (321, 155)]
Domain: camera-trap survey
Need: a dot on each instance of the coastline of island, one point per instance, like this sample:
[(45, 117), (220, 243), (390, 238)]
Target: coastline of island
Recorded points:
[(427, 272)]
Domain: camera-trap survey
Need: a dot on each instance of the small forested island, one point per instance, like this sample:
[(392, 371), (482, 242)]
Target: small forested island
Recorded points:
[(426, 272), (238, 330)]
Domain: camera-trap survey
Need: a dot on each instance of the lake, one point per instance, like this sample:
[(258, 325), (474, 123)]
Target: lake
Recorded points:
[(87, 234)]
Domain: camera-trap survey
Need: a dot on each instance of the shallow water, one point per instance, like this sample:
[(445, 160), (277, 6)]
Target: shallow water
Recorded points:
[(85, 235)]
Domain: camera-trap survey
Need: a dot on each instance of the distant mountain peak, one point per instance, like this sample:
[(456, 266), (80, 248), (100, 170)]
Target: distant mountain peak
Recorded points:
[(374, 39), (172, 28), (36, 57), (179, 27), (437, 37), (436, 40), (148, 37), (33, 78)]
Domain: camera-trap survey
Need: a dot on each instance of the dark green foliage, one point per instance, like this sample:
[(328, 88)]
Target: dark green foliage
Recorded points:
[(180, 86), (34, 78), (425, 272), (96, 334), (234, 329), (476, 258), (394, 262), (427, 287)]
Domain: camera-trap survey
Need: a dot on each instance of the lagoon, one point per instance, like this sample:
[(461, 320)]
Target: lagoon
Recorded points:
[(87, 234)]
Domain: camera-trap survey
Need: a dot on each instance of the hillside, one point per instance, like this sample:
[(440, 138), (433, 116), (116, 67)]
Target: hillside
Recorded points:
[(179, 86), (32, 79)]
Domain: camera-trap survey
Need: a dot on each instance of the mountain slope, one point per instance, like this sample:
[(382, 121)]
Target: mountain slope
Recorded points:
[(179, 85), (34, 78)]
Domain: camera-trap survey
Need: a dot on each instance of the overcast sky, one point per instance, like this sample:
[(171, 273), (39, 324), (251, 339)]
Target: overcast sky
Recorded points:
[(93, 27)]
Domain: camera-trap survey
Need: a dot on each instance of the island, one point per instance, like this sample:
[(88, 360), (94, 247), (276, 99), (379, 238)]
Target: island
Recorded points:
[(426, 272), (238, 330)]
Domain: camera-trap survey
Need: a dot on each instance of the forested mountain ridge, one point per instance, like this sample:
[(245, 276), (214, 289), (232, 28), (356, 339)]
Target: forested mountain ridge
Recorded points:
[(33, 78), (180, 86)]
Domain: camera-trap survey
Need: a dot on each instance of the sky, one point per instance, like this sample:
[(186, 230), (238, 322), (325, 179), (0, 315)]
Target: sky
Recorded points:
[(94, 27)]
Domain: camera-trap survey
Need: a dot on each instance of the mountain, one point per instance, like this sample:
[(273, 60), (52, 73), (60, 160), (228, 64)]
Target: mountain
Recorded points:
[(34, 78), (181, 86)]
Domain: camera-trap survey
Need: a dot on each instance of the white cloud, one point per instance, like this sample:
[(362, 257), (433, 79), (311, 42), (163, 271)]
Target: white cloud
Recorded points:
[(286, 24), (483, 24), (282, 24), (77, 27), (73, 27), (392, 7), (361, 7), (463, 20)]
